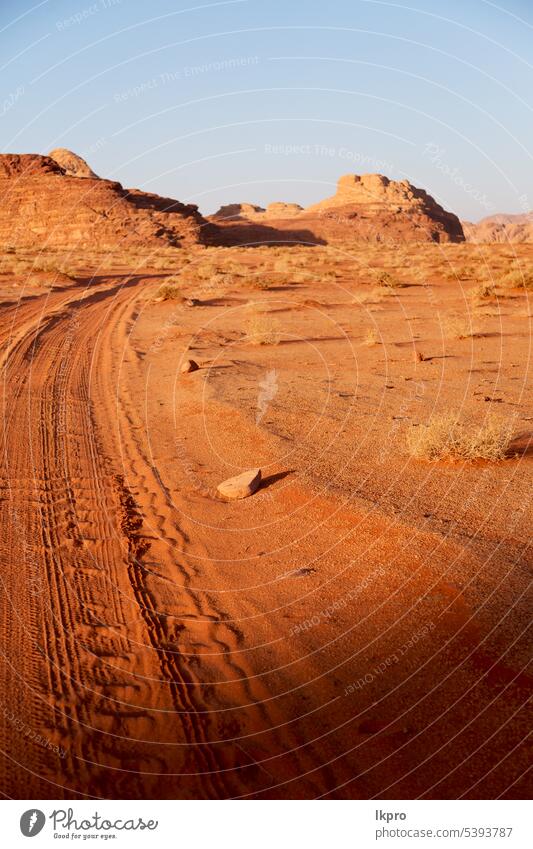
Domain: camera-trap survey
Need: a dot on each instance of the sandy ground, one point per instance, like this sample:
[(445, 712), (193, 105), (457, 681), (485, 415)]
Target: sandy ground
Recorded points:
[(356, 629)]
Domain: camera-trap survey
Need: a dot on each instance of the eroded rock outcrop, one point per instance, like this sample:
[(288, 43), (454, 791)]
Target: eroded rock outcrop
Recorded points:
[(44, 206), (375, 208), (238, 211), (367, 208), (279, 209), (71, 163), (252, 212)]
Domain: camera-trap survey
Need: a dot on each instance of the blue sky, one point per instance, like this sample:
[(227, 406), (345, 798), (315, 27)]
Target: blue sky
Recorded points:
[(259, 101)]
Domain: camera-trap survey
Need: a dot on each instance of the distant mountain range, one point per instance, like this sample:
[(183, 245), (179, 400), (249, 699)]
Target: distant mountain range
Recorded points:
[(501, 228), (58, 201)]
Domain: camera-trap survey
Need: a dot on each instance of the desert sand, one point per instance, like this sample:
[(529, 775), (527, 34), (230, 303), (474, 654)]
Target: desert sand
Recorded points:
[(357, 627)]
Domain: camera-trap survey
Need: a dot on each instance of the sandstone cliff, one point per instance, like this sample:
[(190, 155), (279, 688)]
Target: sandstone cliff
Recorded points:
[(237, 211), (367, 208), (44, 206), (71, 163), (240, 211)]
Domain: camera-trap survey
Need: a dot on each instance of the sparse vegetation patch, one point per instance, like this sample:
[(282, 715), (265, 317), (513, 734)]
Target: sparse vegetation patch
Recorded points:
[(446, 437)]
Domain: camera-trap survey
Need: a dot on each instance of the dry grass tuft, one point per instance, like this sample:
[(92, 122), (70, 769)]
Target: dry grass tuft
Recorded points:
[(387, 280), (375, 296), (459, 327), (169, 292), (261, 329), (483, 292), (371, 337), (519, 278), (261, 283), (445, 437)]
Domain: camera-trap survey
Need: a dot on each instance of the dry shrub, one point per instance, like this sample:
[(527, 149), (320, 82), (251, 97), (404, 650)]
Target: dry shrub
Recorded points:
[(169, 291), (222, 279), (37, 282), (363, 299), (45, 277), (261, 283), (160, 263), (460, 327), (445, 437), (303, 277), (519, 278), (386, 280), (483, 292), (371, 337), (282, 266), (374, 297), (261, 329)]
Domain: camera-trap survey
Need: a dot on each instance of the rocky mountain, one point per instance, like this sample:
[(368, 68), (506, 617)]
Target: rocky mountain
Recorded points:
[(71, 163), (58, 201), (367, 208), (239, 211), (49, 204), (500, 228)]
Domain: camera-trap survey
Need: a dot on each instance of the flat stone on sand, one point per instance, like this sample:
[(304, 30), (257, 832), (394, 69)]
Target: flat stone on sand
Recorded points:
[(242, 485)]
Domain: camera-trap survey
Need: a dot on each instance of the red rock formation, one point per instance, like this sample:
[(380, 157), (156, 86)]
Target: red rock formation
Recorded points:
[(71, 163), (370, 208), (238, 211), (43, 206), (373, 208), (251, 212), (279, 209)]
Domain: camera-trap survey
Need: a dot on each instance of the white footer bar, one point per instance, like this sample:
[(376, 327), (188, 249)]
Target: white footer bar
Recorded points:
[(265, 824)]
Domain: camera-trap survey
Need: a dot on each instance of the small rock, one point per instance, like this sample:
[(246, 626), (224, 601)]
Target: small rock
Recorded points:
[(188, 366), (242, 485)]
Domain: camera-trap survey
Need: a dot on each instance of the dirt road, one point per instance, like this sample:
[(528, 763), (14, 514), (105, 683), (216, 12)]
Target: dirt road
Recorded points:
[(136, 663)]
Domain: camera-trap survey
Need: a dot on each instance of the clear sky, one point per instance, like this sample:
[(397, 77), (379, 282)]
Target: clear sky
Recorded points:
[(263, 100)]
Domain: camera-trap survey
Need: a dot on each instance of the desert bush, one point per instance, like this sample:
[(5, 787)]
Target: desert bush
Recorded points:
[(303, 277), (66, 271), (56, 268), (221, 278), (459, 327), (484, 292), (519, 278), (364, 298), (261, 283), (375, 296), (281, 266), (387, 280), (37, 282), (160, 263), (44, 265), (371, 337), (260, 327), (447, 437), (169, 292)]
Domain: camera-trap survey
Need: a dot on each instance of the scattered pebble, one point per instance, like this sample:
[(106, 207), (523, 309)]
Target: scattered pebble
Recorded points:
[(188, 366)]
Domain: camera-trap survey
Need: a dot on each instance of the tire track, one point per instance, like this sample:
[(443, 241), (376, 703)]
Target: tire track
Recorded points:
[(101, 672)]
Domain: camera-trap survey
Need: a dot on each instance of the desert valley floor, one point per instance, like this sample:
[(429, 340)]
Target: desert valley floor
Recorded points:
[(356, 629)]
